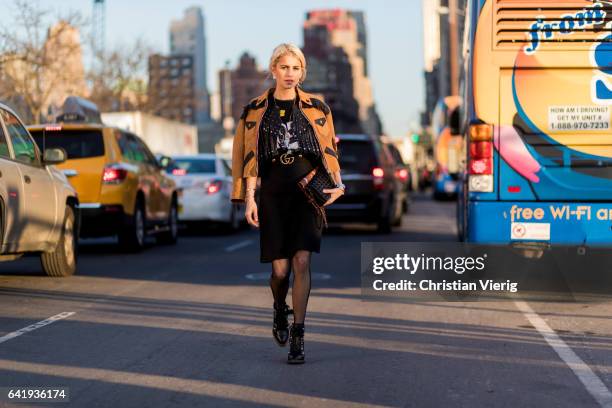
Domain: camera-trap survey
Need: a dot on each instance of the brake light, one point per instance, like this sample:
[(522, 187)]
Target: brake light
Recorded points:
[(179, 172), (378, 179), (481, 150), (402, 174), (214, 187), (480, 166), (53, 128), (114, 175)]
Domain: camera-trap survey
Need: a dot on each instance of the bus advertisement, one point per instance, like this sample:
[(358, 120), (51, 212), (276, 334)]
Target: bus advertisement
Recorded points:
[(537, 108)]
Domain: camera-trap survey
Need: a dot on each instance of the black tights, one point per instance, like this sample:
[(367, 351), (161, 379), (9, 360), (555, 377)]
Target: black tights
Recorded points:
[(279, 283)]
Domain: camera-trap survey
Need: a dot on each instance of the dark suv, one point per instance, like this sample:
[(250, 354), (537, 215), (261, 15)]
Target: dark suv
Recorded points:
[(372, 190), (402, 173)]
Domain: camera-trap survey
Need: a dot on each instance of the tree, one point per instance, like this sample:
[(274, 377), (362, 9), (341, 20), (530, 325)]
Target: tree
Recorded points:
[(117, 77), (36, 59)]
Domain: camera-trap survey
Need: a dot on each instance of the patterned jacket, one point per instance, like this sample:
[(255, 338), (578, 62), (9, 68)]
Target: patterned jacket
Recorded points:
[(244, 153)]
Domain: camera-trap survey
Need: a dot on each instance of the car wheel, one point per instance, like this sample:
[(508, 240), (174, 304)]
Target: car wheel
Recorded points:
[(132, 236), (170, 237), (63, 260)]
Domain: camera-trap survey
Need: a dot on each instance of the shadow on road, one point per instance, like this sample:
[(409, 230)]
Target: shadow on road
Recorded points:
[(198, 349)]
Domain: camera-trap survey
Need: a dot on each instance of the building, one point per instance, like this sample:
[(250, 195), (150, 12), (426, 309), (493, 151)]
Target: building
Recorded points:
[(336, 50), (443, 22), (65, 75), (187, 38), (163, 136), (238, 86), (171, 93)]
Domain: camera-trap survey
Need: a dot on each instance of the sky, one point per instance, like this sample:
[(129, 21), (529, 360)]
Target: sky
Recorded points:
[(394, 35)]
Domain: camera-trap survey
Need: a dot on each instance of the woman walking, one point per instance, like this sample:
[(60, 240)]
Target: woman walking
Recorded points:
[(283, 135)]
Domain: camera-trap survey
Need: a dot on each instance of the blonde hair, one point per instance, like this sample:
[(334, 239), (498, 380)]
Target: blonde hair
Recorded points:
[(284, 49)]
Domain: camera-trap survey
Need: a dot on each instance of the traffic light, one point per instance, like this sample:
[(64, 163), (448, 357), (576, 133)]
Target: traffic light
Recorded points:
[(415, 138)]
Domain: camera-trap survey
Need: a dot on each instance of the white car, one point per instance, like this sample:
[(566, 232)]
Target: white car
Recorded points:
[(206, 184), (39, 209)]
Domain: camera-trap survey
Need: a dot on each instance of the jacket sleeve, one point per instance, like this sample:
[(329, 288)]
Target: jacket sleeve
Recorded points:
[(332, 133), (239, 182), (334, 163)]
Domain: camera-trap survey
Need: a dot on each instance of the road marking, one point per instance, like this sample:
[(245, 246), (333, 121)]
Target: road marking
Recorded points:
[(589, 379), (266, 276), (35, 326), (239, 245)]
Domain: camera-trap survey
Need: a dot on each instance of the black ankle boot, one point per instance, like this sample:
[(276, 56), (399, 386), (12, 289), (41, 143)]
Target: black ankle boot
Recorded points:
[(280, 325), (296, 345)]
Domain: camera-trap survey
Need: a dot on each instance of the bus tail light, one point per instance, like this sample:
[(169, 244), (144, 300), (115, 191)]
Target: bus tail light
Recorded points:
[(480, 166)]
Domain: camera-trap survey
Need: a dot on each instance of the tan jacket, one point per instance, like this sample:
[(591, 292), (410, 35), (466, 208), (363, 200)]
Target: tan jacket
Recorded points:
[(244, 155)]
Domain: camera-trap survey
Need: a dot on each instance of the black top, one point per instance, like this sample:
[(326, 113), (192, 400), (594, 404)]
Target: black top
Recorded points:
[(286, 140), (285, 129)]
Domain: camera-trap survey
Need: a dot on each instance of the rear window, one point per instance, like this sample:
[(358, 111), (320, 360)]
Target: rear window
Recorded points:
[(356, 156), (78, 144), (397, 156), (192, 166)]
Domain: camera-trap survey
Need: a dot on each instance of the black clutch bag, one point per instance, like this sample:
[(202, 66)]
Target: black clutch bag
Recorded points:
[(313, 185)]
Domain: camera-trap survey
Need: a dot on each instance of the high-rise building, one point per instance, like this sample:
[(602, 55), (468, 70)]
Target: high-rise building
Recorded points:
[(171, 93), (187, 38), (443, 22), (240, 85), (336, 50)]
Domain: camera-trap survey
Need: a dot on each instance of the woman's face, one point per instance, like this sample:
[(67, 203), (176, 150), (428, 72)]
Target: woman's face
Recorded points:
[(287, 72)]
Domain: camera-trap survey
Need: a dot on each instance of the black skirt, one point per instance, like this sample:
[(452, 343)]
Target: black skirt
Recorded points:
[(287, 222)]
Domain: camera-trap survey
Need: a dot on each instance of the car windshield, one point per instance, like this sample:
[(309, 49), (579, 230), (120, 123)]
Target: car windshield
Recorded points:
[(78, 144), (192, 166), (356, 156)]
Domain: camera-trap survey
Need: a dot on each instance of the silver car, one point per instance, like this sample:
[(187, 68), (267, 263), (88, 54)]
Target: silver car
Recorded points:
[(206, 183), (38, 206)]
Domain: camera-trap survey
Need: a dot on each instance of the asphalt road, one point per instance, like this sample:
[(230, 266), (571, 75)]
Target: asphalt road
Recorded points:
[(191, 326)]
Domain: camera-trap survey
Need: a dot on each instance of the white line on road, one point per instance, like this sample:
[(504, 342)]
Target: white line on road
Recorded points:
[(239, 245), (35, 326), (591, 381)]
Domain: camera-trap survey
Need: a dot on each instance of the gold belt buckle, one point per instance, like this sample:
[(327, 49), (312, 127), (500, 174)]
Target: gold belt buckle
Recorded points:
[(287, 158)]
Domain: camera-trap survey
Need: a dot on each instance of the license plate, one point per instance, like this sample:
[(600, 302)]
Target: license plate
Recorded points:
[(450, 186)]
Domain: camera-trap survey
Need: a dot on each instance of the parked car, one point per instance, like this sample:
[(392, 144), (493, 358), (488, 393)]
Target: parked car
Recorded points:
[(39, 209), (122, 187), (206, 184), (373, 193), (402, 174)]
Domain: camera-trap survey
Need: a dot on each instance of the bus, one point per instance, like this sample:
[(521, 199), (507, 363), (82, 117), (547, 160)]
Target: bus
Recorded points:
[(446, 149), (536, 111)]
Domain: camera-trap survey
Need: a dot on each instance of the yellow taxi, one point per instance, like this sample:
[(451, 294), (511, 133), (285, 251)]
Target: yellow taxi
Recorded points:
[(121, 186)]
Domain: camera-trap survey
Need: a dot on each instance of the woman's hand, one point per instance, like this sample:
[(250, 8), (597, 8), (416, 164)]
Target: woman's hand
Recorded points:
[(251, 212), (335, 193)]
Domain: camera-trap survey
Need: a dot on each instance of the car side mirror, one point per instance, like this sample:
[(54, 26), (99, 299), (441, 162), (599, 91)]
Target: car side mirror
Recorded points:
[(455, 126), (54, 156), (163, 162)]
